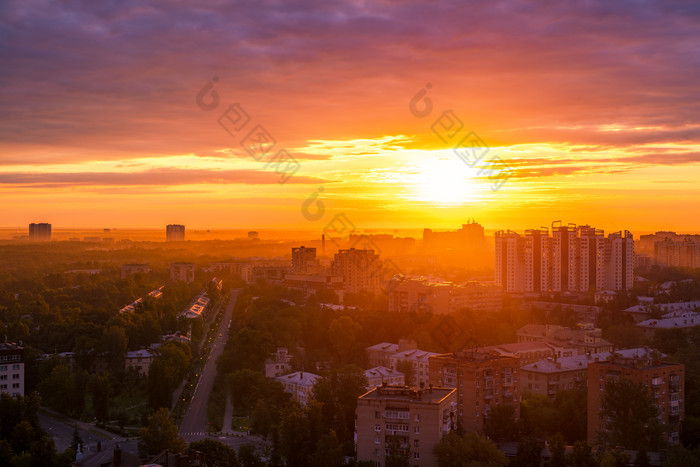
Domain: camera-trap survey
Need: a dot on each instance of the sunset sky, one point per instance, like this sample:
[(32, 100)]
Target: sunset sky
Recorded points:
[(594, 107)]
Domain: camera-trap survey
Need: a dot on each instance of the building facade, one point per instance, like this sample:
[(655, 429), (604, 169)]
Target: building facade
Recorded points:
[(40, 232), (665, 382), (11, 369), (175, 233), (573, 259), (418, 295), (300, 385), (182, 272), (360, 270), (408, 420), (481, 379)]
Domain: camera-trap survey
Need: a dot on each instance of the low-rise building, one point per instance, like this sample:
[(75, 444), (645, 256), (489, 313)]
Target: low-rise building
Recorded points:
[(671, 321), (140, 360), (11, 369), (279, 364), (527, 352), (134, 268), (182, 272), (382, 375), (408, 420), (566, 342), (299, 384)]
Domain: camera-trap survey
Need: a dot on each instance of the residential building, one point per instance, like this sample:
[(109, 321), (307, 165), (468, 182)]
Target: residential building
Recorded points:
[(669, 321), (470, 236), (140, 360), (299, 384), (419, 363), (382, 375), (665, 382), (644, 311), (40, 232), (175, 233), (360, 270), (418, 295), (410, 420), (182, 272), (573, 259), (564, 341), (11, 369), (134, 268), (551, 375), (279, 364), (482, 380), (527, 352), (304, 261)]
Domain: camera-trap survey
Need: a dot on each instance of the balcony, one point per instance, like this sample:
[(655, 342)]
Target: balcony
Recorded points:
[(488, 393)]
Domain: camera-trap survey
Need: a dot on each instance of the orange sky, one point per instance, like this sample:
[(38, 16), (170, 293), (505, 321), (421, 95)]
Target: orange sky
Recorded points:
[(593, 110)]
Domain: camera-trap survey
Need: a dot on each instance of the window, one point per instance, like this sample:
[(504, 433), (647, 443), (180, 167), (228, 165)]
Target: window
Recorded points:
[(3, 367), (416, 417), (416, 443), (15, 367), (416, 429), (416, 455), (377, 428), (15, 376), (377, 440), (15, 386), (3, 377), (3, 386), (377, 414)]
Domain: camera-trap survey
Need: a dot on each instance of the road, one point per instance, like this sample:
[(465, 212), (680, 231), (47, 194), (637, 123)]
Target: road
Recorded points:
[(194, 425), (60, 429)]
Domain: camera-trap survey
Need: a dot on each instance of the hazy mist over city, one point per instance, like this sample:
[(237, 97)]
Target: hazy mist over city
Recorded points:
[(354, 233)]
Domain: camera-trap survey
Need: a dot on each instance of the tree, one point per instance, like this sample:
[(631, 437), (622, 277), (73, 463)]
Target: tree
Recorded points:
[(500, 423), (529, 453), (101, 389), (342, 333), (632, 414), (338, 393), (328, 452), (406, 367), (248, 457), (468, 450), (216, 453), (557, 448), (615, 458), (582, 455), (159, 434)]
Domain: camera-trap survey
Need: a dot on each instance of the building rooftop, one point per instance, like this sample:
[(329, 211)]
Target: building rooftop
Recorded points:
[(575, 362), (402, 393), (385, 346), (10, 346), (669, 323), (665, 307), (143, 353), (382, 371), (303, 378)]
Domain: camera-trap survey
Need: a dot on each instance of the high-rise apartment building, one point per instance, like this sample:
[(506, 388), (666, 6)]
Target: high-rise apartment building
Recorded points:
[(665, 382), (510, 261), (11, 369), (397, 418), (360, 270), (304, 260), (40, 232), (573, 259), (482, 380), (175, 233)]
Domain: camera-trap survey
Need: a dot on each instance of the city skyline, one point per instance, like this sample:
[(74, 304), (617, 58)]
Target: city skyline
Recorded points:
[(591, 108)]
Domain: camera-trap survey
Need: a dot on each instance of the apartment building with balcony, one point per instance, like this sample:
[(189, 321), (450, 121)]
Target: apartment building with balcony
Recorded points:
[(482, 380), (665, 382), (409, 420)]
